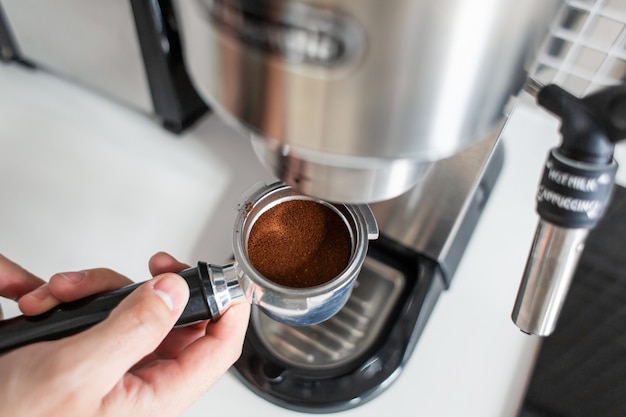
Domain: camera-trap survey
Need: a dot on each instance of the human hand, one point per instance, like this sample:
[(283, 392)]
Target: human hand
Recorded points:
[(132, 363)]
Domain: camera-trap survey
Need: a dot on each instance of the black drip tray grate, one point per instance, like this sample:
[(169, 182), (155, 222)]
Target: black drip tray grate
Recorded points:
[(344, 337)]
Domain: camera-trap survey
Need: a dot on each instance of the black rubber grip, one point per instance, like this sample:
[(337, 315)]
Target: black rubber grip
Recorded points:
[(574, 194)]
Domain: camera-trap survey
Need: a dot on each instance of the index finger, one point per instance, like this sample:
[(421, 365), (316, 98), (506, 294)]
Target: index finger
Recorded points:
[(163, 262), (15, 281)]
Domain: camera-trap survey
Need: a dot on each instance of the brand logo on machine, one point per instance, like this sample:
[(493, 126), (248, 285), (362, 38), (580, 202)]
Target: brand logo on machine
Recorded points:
[(300, 34)]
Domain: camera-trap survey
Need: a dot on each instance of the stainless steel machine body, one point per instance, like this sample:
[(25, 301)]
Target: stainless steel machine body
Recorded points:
[(353, 100)]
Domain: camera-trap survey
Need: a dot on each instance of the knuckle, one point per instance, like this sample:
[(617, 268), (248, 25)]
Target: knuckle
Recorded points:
[(106, 276), (99, 274)]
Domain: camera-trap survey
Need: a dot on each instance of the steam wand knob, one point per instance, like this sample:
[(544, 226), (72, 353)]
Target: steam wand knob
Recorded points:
[(575, 188)]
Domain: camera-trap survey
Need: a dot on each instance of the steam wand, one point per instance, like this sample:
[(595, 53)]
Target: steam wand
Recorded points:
[(576, 187)]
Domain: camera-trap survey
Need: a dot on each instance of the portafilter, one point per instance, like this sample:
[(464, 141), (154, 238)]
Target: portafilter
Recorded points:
[(214, 288)]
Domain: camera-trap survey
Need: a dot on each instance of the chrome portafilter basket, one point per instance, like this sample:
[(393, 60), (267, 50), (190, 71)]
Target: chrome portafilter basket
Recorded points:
[(215, 288), (299, 306)]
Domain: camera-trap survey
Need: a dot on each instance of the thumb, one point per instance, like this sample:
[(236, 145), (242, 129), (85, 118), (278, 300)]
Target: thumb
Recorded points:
[(134, 329)]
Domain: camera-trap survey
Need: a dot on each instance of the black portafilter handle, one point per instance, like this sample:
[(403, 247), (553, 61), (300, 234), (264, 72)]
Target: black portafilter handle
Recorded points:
[(70, 318)]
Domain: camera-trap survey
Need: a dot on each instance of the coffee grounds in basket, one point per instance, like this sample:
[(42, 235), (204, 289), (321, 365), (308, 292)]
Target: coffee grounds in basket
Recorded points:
[(299, 243)]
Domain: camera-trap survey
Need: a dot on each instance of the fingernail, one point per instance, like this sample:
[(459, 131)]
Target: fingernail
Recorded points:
[(171, 289), (73, 277), (40, 293)]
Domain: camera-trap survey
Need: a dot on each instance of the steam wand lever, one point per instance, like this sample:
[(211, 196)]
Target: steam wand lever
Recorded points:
[(576, 187)]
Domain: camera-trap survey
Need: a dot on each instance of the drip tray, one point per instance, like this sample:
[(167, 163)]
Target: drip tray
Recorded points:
[(355, 355), (346, 336)]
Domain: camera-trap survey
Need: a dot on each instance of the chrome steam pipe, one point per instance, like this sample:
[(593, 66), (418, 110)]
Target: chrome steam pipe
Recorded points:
[(549, 271)]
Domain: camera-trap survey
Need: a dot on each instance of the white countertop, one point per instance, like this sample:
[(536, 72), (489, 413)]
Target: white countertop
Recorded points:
[(86, 182)]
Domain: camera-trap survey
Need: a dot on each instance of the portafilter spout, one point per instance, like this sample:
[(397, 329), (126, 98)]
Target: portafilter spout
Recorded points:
[(575, 189), (215, 288)]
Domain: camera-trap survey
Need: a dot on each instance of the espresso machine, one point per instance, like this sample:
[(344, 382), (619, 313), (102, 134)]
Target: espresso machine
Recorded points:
[(399, 105)]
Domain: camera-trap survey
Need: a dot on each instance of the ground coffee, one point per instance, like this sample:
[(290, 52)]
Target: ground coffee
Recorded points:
[(299, 243)]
